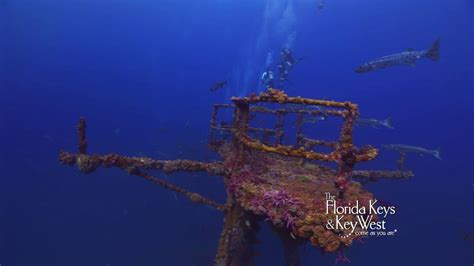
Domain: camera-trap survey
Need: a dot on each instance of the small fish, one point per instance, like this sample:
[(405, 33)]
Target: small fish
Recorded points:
[(412, 149), (314, 119), (408, 57), (375, 123), (218, 85)]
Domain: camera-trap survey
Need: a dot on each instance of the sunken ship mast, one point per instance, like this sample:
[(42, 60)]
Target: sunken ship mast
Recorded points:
[(265, 180)]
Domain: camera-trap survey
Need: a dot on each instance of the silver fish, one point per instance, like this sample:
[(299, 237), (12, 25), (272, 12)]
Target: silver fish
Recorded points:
[(299, 107), (408, 57), (375, 123), (412, 149), (313, 119)]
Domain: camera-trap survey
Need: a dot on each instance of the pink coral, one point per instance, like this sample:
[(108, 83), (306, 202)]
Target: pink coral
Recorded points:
[(277, 205), (278, 198), (237, 179), (286, 206)]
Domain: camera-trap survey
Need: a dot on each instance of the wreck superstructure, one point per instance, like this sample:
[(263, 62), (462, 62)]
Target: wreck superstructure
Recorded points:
[(267, 179)]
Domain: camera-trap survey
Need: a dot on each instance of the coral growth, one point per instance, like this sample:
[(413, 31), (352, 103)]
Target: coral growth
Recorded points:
[(276, 182), (238, 179), (285, 207)]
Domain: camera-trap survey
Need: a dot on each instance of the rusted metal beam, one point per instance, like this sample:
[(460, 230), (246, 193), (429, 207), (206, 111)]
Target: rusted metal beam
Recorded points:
[(81, 132), (376, 175), (88, 163)]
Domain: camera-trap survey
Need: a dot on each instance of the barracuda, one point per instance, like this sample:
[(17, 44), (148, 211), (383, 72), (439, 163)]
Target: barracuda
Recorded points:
[(375, 123), (412, 149), (408, 57)]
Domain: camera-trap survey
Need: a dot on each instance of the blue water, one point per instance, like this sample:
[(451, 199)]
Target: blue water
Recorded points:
[(140, 72)]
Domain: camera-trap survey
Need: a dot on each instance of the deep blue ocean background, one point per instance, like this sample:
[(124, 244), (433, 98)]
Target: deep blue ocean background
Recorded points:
[(140, 72)]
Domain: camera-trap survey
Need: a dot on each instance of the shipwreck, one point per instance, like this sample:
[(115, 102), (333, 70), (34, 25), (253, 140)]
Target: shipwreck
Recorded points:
[(268, 180)]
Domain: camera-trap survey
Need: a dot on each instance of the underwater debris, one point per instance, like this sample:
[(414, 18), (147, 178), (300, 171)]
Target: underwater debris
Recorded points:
[(409, 57), (259, 176)]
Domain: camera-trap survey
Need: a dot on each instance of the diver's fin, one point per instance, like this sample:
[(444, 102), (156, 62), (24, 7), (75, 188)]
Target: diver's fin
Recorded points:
[(437, 154), (409, 50), (433, 52)]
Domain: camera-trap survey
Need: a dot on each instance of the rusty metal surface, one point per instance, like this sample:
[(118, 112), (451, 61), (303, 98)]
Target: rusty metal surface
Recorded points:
[(283, 185)]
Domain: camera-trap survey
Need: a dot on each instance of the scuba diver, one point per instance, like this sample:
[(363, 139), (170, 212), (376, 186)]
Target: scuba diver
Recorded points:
[(267, 79), (287, 61), (283, 70), (287, 56)]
